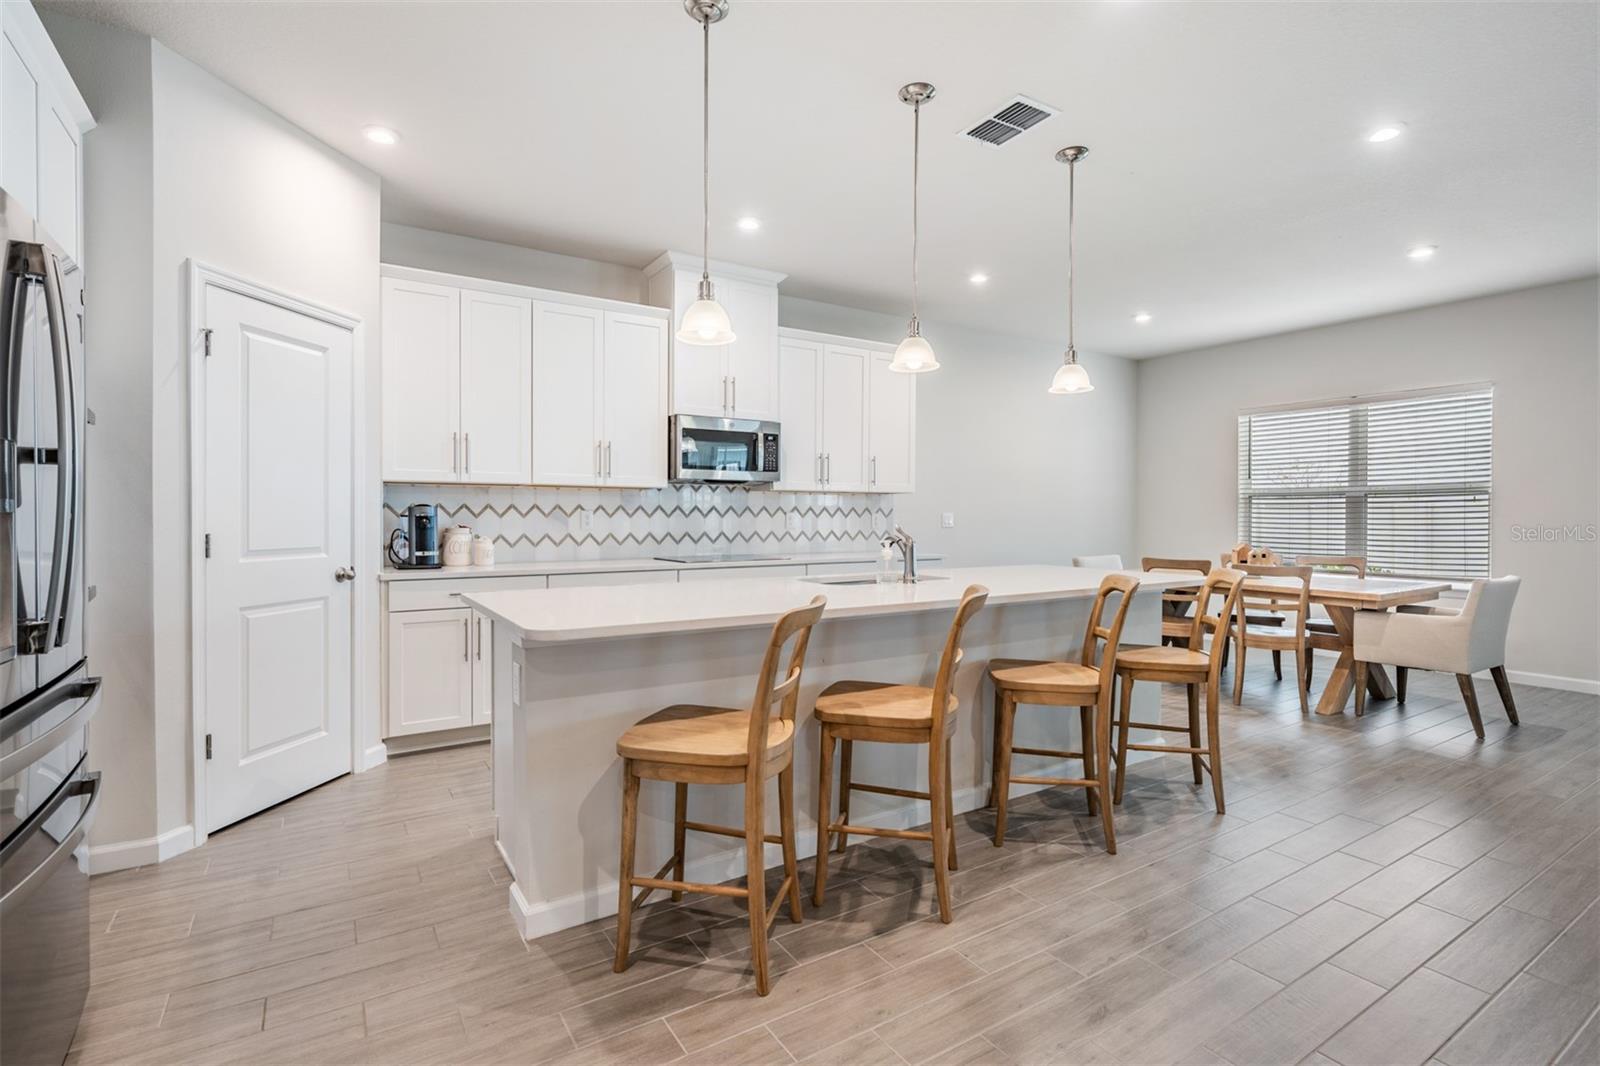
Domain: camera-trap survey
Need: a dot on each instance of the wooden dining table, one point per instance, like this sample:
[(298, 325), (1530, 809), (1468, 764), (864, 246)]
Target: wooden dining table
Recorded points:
[(1342, 595)]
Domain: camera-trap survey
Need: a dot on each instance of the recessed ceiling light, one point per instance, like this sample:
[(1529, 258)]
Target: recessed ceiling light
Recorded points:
[(749, 223), (1142, 317), (1386, 133), (1422, 251), (978, 278), (381, 135)]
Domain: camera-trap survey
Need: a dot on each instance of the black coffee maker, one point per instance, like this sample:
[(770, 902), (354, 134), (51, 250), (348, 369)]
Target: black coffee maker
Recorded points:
[(415, 545)]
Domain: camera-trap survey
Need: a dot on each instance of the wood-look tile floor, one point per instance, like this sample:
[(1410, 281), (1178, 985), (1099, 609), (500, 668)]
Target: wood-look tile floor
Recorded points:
[(1381, 890)]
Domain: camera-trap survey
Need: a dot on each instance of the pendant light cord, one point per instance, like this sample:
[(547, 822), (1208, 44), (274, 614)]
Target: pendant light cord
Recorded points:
[(916, 163), (1072, 183), (705, 152)]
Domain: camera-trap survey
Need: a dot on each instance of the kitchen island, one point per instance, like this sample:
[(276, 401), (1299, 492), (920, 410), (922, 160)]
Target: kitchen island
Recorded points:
[(574, 668)]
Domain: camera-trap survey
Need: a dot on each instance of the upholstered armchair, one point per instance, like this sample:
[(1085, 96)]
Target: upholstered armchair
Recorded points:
[(1458, 642)]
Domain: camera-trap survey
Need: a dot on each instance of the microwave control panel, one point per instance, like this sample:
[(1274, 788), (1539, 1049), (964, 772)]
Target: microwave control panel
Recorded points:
[(769, 453)]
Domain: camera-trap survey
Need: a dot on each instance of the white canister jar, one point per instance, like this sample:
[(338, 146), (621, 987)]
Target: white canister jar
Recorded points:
[(482, 551), (457, 547)]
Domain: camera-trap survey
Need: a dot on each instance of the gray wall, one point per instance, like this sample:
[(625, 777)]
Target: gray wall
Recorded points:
[(1539, 349)]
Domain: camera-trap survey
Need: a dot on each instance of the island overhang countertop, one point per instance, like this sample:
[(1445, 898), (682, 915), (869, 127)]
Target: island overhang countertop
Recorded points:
[(551, 616)]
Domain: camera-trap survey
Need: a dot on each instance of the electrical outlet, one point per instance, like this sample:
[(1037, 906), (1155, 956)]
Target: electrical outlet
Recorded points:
[(947, 520), (580, 521)]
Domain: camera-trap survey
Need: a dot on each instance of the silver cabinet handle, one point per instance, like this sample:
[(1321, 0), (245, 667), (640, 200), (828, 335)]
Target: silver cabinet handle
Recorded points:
[(873, 478), (466, 640), (724, 395), (735, 403), (608, 458), (455, 453), (466, 462), (479, 641), (819, 468), (345, 573), (599, 471), (827, 467)]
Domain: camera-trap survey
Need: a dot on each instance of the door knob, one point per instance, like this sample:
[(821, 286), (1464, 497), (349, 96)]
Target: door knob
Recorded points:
[(345, 573)]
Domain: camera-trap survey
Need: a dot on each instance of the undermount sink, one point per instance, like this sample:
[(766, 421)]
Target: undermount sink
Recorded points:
[(853, 579)]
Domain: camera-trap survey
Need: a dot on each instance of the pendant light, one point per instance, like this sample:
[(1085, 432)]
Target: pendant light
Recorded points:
[(705, 321), (915, 355), (1071, 377)]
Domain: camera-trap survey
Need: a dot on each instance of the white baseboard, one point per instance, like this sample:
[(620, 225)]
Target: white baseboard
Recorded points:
[(127, 854), (443, 738), (549, 916), (373, 757), (1566, 684)]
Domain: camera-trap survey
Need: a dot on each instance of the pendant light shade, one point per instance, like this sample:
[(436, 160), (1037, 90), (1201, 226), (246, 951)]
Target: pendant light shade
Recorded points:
[(915, 355), (1070, 377), (705, 321)]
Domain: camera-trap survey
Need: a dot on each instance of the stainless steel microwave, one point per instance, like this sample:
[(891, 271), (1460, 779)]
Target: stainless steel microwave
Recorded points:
[(734, 450)]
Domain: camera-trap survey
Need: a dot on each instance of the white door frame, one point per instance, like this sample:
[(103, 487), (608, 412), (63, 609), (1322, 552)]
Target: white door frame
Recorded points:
[(201, 275)]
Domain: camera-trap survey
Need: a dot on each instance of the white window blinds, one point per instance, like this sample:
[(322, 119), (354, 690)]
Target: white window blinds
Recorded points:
[(1403, 481)]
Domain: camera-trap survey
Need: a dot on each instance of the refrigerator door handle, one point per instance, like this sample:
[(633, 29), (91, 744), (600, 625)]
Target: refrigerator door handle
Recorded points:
[(88, 690), (30, 882), (67, 460)]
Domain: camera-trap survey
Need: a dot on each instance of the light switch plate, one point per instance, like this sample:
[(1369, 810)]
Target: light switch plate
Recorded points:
[(947, 520)]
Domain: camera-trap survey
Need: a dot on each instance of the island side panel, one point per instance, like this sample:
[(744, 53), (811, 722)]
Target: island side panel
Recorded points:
[(562, 831)]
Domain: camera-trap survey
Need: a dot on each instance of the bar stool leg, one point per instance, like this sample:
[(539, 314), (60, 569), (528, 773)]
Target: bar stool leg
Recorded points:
[(1214, 744), (1304, 677), (824, 815), (1122, 734), (1277, 663), (937, 771), (1086, 731), (1238, 674), (791, 866), (846, 750), (680, 814), (1102, 725), (755, 838), (994, 778), (630, 826), (1007, 712), (949, 805), (1194, 728)]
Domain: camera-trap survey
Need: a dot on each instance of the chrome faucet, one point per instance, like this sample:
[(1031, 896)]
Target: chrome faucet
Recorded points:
[(908, 553)]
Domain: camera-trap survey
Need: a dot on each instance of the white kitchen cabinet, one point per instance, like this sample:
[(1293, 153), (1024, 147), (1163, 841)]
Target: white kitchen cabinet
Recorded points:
[(738, 380), (421, 381), (634, 400), (844, 410), (495, 390), (568, 349), (799, 412), (482, 669), (430, 671), (823, 403), (891, 427), (42, 122)]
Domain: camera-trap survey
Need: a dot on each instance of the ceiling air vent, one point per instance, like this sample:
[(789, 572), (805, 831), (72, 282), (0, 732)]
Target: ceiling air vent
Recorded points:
[(1017, 115)]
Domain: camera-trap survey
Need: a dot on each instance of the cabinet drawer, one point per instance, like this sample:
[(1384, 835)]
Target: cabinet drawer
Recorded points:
[(630, 577), (432, 594), (724, 573)]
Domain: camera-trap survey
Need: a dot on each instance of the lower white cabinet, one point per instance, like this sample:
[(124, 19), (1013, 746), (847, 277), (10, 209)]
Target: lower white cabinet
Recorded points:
[(439, 670)]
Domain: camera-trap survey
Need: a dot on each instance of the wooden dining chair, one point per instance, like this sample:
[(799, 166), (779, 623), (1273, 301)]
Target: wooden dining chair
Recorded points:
[(1175, 603), (1088, 685), (1288, 594), (1321, 632), (1191, 666), (690, 744), (889, 713)]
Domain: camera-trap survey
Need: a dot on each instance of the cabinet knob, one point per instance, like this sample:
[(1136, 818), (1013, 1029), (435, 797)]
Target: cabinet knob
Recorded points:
[(345, 573)]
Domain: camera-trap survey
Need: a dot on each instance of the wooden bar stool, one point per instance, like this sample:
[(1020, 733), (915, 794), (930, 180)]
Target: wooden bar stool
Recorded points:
[(849, 711), (689, 744), (1061, 684), (1290, 593), (1190, 666), (1175, 603)]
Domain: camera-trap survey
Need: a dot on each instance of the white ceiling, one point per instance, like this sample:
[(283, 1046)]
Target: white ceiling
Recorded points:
[(1229, 189)]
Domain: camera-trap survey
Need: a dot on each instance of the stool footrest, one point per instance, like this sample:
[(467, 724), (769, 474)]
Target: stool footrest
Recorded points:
[(1074, 782), (776, 904), (653, 883), (1162, 726), (885, 790), (873, 831), (727, 831), (1171, 749), (1048, 753)]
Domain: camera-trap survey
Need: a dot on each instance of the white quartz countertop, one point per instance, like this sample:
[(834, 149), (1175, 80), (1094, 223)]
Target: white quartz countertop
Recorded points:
[(609, 566), (542, 616)]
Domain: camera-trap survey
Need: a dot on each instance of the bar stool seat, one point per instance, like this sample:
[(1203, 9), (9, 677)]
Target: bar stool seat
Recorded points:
[(1176, 660), (875, 704), (691, 734), (1035, 675)]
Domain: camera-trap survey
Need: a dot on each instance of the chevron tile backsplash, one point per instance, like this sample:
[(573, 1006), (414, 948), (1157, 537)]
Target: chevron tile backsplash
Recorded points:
[(549, 524)]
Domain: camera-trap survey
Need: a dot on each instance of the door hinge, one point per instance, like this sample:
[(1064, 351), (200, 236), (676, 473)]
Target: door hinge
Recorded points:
[(208, 745), (208, 545), (205, 336)]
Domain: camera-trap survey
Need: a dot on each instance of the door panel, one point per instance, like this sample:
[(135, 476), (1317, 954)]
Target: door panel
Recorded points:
[(844, 412), (799, 412), (567, 426), (753, 364), (635, 400), (482, 669), (698, 370), (421, 381), (496, 350), (430, 671), (276, 504), (891, 428)]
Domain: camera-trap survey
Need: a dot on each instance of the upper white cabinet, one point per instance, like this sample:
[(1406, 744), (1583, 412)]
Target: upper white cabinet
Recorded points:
[(738, 380), (600, 397), (495, 389), (891, 427), (42, 122), (849, 424)]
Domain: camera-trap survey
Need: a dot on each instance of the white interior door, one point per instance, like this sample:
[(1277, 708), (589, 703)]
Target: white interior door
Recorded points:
[(844, 414), (421, 382), (495, 391), (567, 347), (891, 428), (635, 400), (275, 400), (799, 369)]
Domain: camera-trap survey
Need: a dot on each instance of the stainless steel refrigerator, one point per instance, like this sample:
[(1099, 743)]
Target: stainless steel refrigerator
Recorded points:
[(48, 796)]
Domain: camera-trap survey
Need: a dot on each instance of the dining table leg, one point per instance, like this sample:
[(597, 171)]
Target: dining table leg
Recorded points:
[(1341, 682)]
